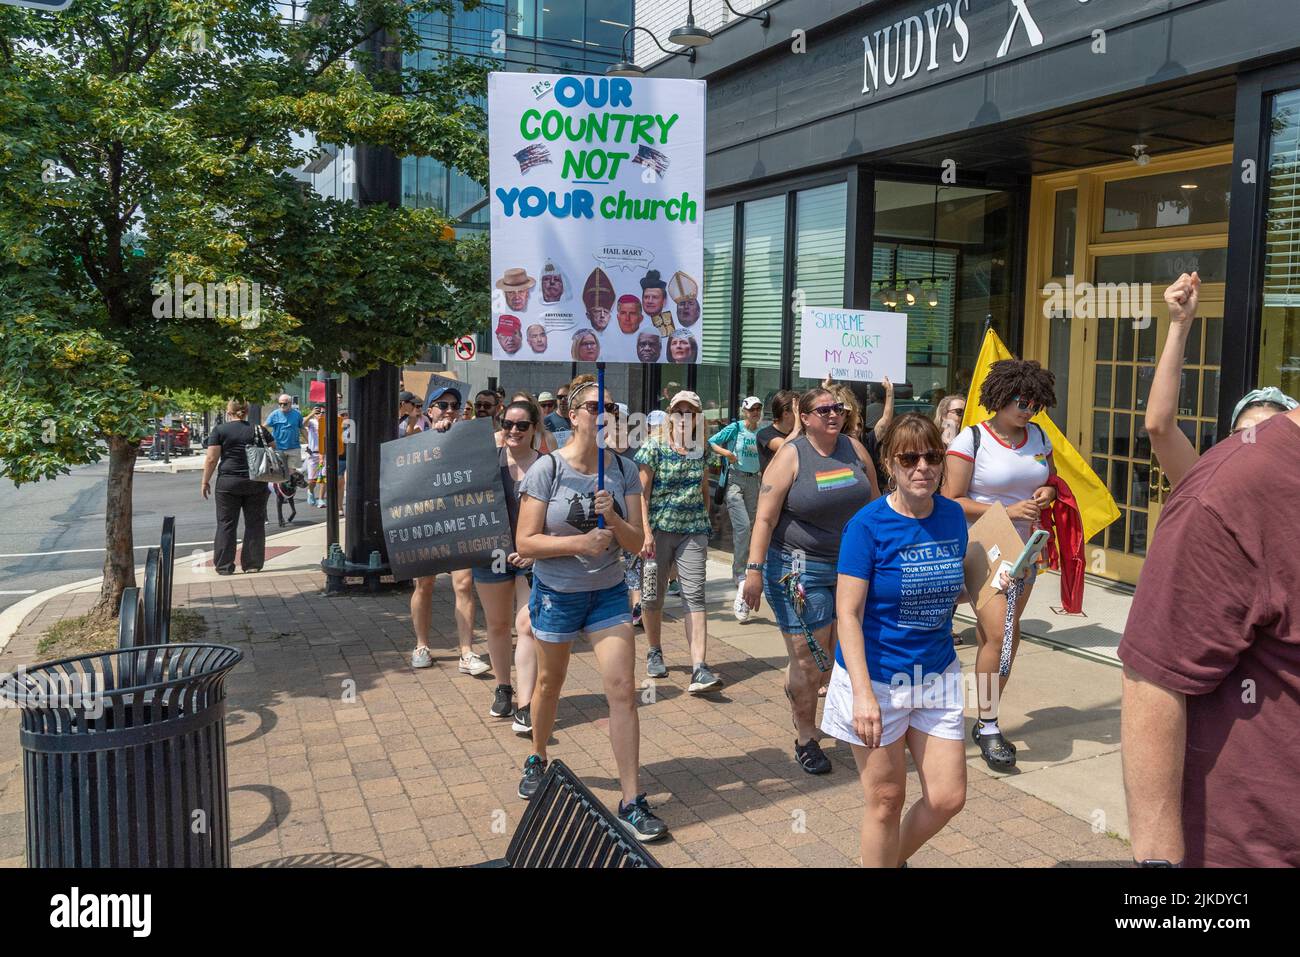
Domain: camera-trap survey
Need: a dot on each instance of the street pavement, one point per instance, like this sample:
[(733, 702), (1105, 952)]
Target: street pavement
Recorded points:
[(411, 770), (53, 532)]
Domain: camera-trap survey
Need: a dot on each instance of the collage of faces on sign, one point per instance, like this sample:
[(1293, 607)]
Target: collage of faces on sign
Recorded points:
[(665, 337)]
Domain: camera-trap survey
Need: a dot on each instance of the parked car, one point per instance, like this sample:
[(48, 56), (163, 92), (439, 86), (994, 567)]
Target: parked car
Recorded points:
[(180, 438)]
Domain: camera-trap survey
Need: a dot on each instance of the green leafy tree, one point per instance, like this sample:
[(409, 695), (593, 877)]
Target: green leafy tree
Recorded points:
[(146, 142)]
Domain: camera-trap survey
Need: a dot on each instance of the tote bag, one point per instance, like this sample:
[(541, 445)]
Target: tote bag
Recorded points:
[(265, 463)]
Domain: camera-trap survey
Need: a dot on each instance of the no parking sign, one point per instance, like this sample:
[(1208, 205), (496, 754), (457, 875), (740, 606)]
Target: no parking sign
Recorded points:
[(465, 348)]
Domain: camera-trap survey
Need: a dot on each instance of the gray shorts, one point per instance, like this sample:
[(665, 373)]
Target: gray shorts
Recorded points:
[(688, 552)]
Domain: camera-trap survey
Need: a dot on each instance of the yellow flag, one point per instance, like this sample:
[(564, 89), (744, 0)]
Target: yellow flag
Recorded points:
[(1096, 506)]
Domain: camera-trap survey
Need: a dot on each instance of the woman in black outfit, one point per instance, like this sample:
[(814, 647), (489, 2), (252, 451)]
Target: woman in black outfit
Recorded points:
[(235, 492)]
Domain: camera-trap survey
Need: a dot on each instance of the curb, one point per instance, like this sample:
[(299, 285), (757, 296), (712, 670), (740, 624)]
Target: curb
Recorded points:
[(12, 618)]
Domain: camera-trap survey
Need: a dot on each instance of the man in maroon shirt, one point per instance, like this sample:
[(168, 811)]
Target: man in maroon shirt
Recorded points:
[(1211, 711)]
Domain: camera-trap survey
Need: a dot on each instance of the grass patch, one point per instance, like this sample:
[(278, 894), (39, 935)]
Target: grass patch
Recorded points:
[(91, 633)]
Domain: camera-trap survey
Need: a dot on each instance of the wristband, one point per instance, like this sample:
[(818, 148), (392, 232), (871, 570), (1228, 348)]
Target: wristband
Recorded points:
[(754, 567)]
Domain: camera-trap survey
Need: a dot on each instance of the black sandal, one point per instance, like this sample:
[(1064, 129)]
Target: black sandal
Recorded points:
[(998, 753)]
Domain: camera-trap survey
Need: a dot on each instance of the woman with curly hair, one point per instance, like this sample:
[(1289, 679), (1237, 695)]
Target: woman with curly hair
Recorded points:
[(1007, 459)]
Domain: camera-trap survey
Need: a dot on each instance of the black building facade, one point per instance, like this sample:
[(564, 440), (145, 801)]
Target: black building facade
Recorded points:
[(1042, 166)]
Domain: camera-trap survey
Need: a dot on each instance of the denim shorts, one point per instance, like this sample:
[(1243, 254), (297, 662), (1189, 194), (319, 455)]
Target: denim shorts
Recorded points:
[(818, 580), (560, 616), (488, 576)]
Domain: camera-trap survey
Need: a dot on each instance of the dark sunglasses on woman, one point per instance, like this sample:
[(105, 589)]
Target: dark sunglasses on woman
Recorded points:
[(593, 408), (909, 460), (510, 424), (1026, 405), (828, 410)]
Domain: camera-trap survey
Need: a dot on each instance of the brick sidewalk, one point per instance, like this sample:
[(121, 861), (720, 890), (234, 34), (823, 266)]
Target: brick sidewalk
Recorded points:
[(411, 770)]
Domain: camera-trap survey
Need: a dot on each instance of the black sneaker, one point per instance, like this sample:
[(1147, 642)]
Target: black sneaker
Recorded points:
[(503, 704), (640, 820), (523, 723), (811, 757), (534, 771)]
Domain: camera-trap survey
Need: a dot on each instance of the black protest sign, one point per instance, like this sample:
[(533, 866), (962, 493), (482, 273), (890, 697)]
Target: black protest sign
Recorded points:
[(437, 382), (442, 500)]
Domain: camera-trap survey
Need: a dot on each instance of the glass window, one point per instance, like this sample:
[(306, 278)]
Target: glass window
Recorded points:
[(1279, 351), (562, 22), (761, 303), (607, 21), (958, 239), (715, 349), (820, 247), (1190, 198), (1156, 268), (1063, 232)]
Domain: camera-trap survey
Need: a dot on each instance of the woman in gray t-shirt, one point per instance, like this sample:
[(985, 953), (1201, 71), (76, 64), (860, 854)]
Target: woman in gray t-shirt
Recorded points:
[(814, 485), (578, 589)]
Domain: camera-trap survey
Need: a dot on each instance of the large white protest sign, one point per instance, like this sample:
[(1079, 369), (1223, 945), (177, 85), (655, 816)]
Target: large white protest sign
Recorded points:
[(853, 345), (597, 199)]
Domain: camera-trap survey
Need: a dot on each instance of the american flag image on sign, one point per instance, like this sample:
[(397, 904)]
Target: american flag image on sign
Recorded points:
[(648, 156), (532, 156)]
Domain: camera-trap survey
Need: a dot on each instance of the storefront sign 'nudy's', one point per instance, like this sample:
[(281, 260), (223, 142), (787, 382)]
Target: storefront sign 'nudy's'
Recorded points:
[(939, 35)]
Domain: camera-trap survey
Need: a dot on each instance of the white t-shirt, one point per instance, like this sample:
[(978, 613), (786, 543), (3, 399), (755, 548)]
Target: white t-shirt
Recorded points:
[(313, 434), (1004, 473)]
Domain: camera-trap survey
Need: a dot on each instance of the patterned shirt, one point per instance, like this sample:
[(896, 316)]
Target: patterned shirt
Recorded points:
[(676, 501)]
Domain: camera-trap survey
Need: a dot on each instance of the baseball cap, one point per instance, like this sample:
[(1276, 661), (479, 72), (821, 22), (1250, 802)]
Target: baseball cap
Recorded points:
[(1267, 394), (546, 397), (440, 392), (407, 397), (689, 397), (508, 324), (751, 402)]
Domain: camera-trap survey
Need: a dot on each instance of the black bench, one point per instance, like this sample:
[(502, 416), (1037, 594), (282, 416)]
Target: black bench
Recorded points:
[(567, 826)]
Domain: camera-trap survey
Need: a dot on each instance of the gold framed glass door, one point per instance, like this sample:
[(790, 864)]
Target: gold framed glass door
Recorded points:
[(1104, 243)]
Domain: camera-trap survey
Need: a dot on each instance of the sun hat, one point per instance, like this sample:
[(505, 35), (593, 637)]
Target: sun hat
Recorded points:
[(689, 397), (751, 402)]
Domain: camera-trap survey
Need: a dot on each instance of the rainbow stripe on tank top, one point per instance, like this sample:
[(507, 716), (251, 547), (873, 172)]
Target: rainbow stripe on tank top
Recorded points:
[(835, 478)]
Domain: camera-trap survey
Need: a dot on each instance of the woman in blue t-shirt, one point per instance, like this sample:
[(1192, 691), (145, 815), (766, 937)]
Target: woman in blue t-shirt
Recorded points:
[(897, 679)]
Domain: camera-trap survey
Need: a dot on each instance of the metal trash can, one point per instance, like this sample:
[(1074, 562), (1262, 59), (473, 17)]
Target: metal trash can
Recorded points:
[(124, 757)]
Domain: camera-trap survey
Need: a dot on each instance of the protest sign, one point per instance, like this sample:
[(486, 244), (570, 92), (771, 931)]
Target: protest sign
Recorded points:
[(597, 199), (853, 345), (442, 500), (437, 382)]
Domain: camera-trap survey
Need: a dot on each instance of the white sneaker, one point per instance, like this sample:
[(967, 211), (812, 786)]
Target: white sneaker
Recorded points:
[(472, 664), (420, 657), (740, 608)]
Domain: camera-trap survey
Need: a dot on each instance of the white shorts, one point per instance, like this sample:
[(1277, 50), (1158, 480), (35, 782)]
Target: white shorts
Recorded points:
[(934, 708)]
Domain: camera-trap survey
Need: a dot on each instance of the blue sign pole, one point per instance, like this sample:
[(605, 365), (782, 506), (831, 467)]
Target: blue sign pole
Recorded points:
[(600, 435)]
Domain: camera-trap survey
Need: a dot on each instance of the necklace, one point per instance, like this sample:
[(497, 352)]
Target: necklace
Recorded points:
[(1005, 438)]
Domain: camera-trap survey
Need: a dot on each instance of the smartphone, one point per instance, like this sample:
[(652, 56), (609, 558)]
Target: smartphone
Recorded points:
[(1030, 552)]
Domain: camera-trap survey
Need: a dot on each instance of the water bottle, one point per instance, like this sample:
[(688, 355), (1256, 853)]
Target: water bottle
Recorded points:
[(650, 581)]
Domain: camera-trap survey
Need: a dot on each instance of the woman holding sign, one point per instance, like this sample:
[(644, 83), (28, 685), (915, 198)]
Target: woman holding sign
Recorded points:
[(578, 589), (815, 484), (503, 585), (1007, 459)]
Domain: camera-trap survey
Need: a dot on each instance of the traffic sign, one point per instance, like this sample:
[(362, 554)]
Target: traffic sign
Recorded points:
[(50, 5), (465, 348)]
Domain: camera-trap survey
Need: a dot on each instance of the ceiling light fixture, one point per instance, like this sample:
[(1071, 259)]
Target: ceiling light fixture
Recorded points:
[(1140, 154), (625, 66), (690, 35)]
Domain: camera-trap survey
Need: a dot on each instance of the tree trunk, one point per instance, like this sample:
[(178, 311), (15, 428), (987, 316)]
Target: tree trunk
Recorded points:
[(119, 550)]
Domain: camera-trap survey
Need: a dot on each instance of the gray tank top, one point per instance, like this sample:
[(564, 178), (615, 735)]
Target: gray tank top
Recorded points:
[(827, 492)]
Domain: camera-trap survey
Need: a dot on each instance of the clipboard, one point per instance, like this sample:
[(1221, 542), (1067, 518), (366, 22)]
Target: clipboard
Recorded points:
[(993, 540)]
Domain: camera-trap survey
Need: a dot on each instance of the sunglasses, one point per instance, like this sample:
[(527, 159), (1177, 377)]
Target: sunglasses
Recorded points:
[(286, 403), (448, 406), (516, 425), (1025, 405), (593, 407), (909, 460), (826, 411), (485, 406)]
